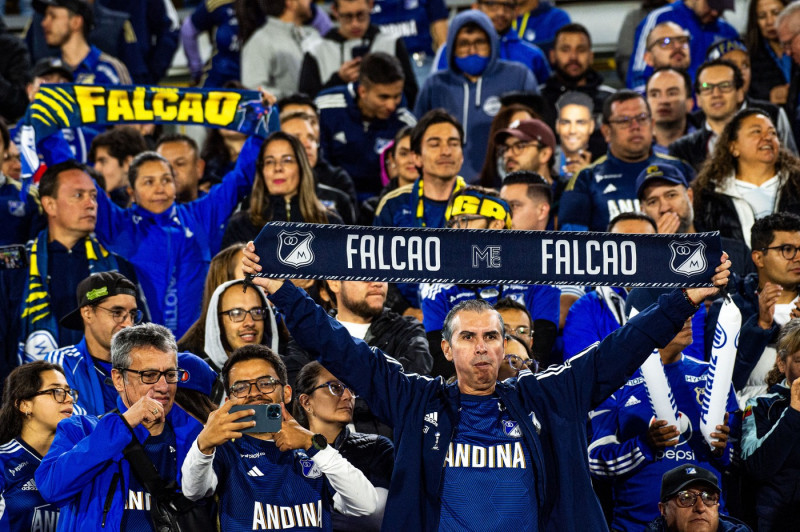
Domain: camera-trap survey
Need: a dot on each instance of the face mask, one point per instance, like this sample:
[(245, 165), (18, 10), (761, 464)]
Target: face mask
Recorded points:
[(474, 64)]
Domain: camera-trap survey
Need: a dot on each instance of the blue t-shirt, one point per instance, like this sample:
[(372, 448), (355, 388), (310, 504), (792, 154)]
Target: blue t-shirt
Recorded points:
[(411, 20), (263, 488), (488, 450), (23, 507), (161, 450), (539, 26)]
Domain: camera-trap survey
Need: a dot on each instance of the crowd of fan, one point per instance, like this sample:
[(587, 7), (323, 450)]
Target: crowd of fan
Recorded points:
[(391, 115)]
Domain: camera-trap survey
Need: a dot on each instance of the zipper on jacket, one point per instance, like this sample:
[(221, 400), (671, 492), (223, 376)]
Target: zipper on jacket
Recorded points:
[(110, 498), (288, 208)]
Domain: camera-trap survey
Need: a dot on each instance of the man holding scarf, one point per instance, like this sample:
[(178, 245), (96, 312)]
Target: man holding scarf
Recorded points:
[(62, 255)]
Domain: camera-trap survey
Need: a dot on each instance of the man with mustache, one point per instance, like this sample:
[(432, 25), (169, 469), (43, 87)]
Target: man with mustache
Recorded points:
[(572, 59), (608, 187)]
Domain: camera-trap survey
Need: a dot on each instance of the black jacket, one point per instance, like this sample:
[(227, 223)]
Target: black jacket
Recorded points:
[(241, 229), (15, 68), (334, 176), (401, 337), (765, 73), (692, 148)]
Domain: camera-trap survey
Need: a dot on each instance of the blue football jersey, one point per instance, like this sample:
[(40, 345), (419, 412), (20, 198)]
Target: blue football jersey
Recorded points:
[(262, 488), (22, 507), (488, 450)]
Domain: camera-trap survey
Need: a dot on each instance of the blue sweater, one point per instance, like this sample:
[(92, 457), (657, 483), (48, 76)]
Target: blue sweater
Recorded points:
[(551, 409)]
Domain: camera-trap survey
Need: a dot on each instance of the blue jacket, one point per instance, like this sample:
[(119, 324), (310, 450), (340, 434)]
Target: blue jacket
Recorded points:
[(85, 464), (703, 36), (539, 26), (20, 217), (171, 251), (771, 454), (551, 409), (99, 68), (353, 143), (605, 189), (474, 104), (514, 49)]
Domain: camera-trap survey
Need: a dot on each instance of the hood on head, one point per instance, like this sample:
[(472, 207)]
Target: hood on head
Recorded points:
[(213, 340), (484, 22)]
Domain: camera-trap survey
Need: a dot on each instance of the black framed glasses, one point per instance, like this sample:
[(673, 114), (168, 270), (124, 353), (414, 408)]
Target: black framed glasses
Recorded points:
[(523, 331), (119, 315), (788, 251), (264, 384), (59, 394), (336, 388), (238, 314), (518, 363), (516, 149), (625, 122), (723, 86), (152, 376), (687, 498)]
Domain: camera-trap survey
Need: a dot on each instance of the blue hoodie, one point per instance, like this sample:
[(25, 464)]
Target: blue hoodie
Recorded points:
[(473, 103)]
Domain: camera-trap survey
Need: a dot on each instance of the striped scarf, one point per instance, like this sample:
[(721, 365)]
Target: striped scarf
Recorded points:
[(39, 328)]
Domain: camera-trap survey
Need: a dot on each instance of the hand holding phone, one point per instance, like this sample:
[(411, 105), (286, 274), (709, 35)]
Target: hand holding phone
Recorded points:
[(267, 417)]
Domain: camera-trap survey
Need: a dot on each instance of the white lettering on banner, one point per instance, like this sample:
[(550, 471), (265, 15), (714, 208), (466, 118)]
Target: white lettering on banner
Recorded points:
[(571, 257), (508, 455), (397, 253), (271, 517)]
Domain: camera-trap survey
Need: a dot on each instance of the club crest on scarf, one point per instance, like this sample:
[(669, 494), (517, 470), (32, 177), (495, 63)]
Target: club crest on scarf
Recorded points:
[(688, 258), (294, 248)]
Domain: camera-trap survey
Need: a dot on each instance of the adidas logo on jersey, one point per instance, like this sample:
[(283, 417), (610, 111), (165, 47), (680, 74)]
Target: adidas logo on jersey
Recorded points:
[(29, 486), (432, 418), (255, 472), (340, 137), (633, 401), (609, 189)]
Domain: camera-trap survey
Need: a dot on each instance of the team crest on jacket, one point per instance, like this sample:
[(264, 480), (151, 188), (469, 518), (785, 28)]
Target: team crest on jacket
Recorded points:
[(294, 248), (511, 428), (310, 469), (688, 258)]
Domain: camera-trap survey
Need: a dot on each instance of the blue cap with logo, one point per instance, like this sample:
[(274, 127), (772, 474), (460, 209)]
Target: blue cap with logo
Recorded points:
[(660, 172)]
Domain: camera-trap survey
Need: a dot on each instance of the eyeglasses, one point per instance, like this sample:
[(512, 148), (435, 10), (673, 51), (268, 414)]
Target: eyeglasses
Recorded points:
[(681, 41), (625, 122), (687, 499), (263, 384), (505, 6), (152, 376), (723, 86), (516, 149), (120, 315), (518, 363), (349, 18), (522, 330), (788, 251), (336, 388), (271, 163), (59, 394), (465, 46), (238, 314), (462, 220)]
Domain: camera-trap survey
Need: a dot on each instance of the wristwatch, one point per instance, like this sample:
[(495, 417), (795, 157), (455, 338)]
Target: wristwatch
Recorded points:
[(319, 442)]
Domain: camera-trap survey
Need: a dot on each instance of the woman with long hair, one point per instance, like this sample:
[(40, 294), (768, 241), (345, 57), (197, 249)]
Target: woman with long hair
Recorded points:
[(324, 405), (771, 438), (748, 176), (770, 67), (492, 172), (36, 397), (283, 190)]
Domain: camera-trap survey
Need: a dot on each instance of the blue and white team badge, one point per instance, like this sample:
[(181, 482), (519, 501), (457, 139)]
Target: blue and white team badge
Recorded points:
[(16, 208), (310, 469), (511, 428), (688, 258), (690, 471), (38, 344), (294, 248)]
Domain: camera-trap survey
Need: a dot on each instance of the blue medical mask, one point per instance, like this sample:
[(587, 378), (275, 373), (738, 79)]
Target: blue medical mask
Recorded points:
[(474, 64)]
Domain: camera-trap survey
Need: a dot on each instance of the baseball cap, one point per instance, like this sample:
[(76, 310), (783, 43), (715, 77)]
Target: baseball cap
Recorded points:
[(661, 172), (722, 5), (79, 7), (685, 475), (199, 375), (51, 65), (720, 48), (526, 131), (575, 98), (93, 290)]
